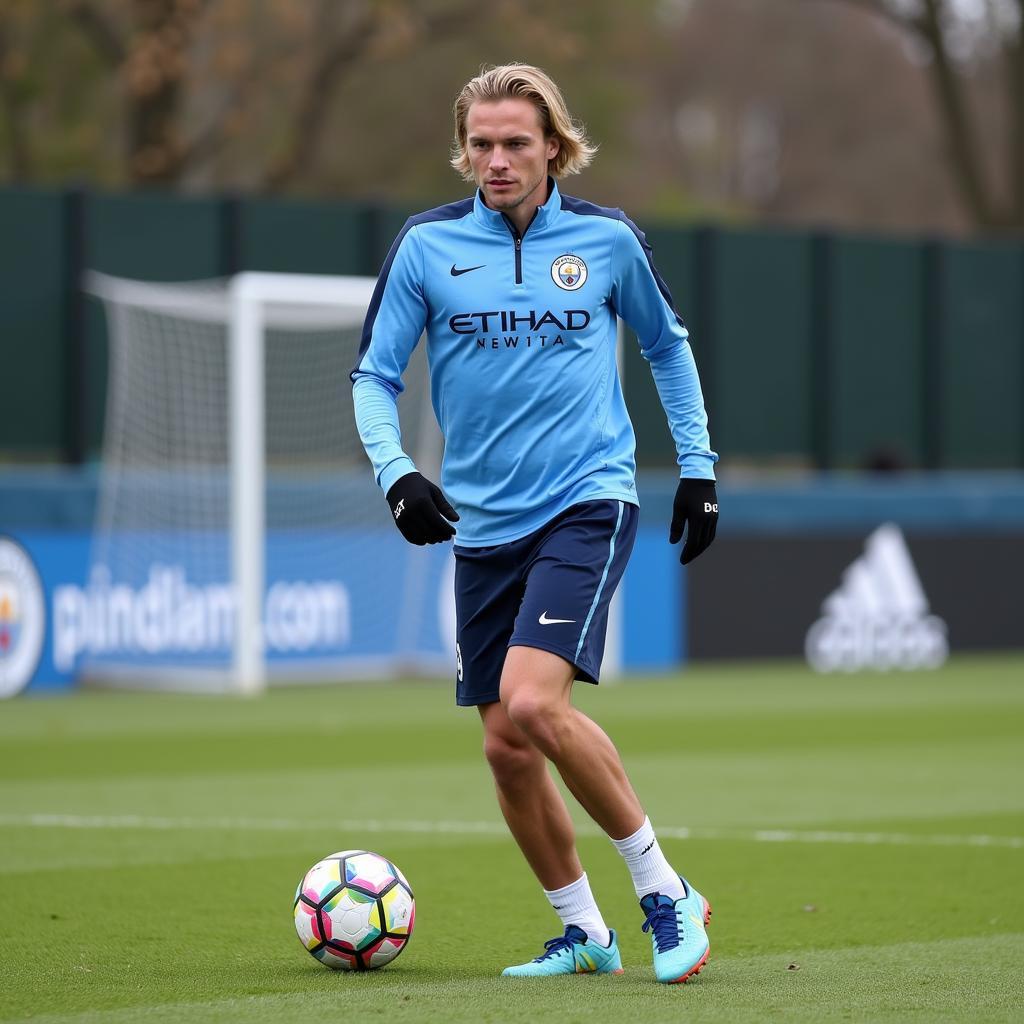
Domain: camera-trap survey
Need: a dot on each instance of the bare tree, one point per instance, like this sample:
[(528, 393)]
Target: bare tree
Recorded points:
[(954, 44), (155, 50), (146, 50), (13, 106), (343, 39), (15, 89)]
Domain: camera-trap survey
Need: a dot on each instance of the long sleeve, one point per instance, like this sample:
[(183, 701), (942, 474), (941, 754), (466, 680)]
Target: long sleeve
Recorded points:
[(376, 408), (394, 323), (641, 297)]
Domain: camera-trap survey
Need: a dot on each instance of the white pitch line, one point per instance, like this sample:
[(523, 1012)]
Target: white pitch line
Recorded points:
[(824, 836), (487, 828)]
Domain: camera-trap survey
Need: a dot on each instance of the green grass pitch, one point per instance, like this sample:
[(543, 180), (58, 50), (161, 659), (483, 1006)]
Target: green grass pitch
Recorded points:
[(860, 837)]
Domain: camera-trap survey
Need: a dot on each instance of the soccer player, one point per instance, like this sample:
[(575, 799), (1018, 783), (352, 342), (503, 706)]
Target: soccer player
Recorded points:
[(518, 289)]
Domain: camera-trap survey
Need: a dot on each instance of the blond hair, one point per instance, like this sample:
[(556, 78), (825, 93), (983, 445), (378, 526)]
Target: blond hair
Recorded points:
[(511, 81)]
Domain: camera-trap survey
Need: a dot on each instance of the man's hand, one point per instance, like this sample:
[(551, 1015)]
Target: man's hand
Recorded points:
[(696, 507), (421, 510)]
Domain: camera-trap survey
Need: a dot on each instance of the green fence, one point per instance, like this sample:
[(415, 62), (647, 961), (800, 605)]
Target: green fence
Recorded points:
[(815, 350)]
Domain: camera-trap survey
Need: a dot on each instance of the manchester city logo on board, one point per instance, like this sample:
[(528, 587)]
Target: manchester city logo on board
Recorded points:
[(569, 272), (22, 617)]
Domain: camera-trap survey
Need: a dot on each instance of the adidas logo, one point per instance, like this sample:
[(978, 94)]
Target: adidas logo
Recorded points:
[(878, 618)]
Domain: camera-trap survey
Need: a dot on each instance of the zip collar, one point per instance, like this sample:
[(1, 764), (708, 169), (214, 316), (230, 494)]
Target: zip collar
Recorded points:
[(494, 220)]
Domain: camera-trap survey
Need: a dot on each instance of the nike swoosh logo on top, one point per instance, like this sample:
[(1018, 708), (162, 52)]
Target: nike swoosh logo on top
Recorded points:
[(545, 621), (455, 272)]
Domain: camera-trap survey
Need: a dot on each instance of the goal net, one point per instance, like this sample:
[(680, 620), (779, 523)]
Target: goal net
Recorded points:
[(240, 536)]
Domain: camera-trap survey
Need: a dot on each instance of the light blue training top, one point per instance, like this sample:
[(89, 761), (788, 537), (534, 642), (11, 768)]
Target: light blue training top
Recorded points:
[(521, 337)]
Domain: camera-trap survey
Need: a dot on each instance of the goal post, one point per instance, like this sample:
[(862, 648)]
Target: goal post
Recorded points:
[(240, 537), (247, 478), (250, 294)]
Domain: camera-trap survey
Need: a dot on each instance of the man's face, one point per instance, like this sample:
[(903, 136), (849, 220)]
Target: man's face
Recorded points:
[(508, 151)]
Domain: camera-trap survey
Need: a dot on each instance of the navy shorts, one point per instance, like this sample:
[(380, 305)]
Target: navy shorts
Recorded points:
[(549, 590)]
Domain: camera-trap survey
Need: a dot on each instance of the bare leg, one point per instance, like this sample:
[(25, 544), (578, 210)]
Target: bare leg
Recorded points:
[(535, 692), (530, 801)]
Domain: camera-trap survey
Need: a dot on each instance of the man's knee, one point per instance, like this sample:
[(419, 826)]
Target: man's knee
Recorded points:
[(540, 715), (507, 757), (534, 690), (525, 707), (512, 758)]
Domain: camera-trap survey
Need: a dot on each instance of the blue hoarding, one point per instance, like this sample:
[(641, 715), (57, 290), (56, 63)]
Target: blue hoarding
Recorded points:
[(348, 602)]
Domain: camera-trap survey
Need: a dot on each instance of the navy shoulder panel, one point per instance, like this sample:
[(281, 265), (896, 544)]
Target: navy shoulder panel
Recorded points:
[(450, 211), (580, 206), (585, 209)]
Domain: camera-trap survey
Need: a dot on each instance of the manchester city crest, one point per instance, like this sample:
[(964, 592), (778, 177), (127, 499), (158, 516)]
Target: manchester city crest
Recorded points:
[(569, 272)]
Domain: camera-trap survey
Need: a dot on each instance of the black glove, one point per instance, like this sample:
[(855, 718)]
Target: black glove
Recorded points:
[(696, 507), (421, 510)]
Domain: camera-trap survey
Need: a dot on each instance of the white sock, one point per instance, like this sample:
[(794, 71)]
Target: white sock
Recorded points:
[(647, 864), (574, 904)]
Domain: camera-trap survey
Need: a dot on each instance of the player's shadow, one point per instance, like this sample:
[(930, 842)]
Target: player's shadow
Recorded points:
[(390, 975)]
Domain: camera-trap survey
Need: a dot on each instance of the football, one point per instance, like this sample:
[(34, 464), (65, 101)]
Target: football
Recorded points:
[(354, 911)]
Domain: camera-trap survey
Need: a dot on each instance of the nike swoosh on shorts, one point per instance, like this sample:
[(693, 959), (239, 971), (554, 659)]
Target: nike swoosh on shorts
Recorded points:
[(545, 621)]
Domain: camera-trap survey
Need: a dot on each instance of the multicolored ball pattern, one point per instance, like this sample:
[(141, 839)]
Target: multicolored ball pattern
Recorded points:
[(354, 911)]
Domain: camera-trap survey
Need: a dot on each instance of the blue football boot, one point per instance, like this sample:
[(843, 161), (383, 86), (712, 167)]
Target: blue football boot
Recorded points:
[(571, 953), (678, 937)]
